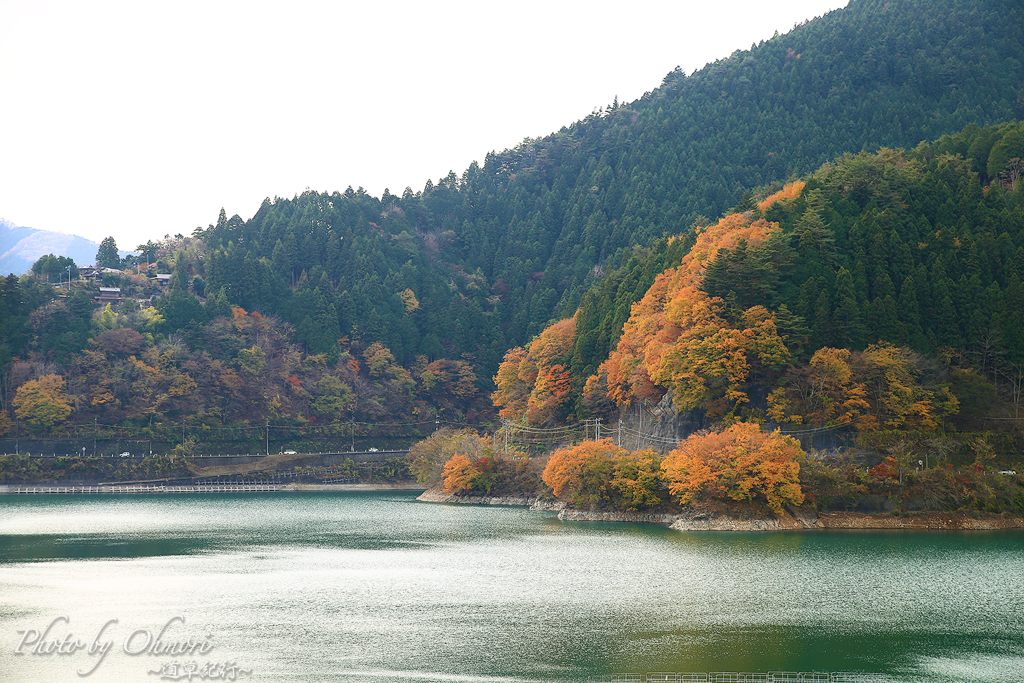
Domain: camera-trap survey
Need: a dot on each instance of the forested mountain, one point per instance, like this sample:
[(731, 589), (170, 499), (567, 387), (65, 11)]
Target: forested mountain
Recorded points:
[(882, 291), (492, 254), (394, 307)]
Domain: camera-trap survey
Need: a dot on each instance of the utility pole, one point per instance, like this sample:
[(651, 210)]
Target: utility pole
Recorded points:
[(640, 429), (268, 437)]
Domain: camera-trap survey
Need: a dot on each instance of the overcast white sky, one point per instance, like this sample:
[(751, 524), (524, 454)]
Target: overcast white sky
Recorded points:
[(140, 118)]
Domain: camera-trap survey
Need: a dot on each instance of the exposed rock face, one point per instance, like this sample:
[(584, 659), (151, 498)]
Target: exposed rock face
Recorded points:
[(660, 423)]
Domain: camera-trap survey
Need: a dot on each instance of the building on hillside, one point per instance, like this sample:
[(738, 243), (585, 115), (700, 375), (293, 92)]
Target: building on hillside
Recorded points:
[(108, 295), (95, 274)]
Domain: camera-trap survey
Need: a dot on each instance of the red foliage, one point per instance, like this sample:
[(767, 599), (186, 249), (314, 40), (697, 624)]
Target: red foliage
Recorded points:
[(886, 469)]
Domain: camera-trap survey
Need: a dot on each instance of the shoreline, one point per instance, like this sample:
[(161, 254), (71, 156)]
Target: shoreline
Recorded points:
[(436, 496), (810, 520), (687, 520), (791, 520)]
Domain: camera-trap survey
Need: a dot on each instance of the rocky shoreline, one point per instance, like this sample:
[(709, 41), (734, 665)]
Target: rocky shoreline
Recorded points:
[(797, 520), (438, 496), (720, 520)]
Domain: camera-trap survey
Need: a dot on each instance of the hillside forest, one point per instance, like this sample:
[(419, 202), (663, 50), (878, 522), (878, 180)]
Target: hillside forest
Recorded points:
[(764, 241)]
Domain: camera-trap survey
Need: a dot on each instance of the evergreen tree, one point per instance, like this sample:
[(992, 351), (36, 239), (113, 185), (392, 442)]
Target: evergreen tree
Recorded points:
[(107, 256), (849, 327)]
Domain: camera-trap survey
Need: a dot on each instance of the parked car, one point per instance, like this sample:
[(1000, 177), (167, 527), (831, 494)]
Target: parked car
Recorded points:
[(290, 452)]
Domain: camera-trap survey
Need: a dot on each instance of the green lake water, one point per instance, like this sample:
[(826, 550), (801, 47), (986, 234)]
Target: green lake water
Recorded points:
[(362, 587)]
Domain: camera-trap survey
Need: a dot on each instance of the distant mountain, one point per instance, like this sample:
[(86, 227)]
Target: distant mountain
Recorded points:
[(20, 247)]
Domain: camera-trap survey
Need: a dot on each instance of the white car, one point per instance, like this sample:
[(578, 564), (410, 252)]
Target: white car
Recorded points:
[(290, 453), (372, 450), (126, 454)]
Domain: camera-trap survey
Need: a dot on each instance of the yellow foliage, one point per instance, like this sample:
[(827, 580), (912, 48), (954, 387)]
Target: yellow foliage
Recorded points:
[(822, 393), (183, 385), (42, 403), (428, 457), (409, 300), (890, 375), (512, 392), (638, 480)]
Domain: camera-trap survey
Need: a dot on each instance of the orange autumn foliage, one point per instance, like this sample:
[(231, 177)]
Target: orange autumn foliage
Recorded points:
[(676, 337), (534, 382), (788, 193), (710, 357), (512, 393), (599, 474), (463, 474), (549, 392), (458, 474), (741, 463), (569, 469)]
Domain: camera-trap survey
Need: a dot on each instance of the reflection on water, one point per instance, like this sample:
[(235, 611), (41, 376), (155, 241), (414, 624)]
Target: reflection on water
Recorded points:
[(376, 586)]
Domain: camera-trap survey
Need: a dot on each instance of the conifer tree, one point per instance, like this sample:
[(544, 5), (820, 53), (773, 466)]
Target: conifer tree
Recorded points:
[(107, 256)]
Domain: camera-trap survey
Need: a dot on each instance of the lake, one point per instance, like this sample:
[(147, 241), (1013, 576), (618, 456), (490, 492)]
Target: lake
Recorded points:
[(375, 587)]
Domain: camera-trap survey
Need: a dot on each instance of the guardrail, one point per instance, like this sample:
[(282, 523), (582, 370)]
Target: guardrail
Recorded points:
[(147, 488), (76, 454)]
